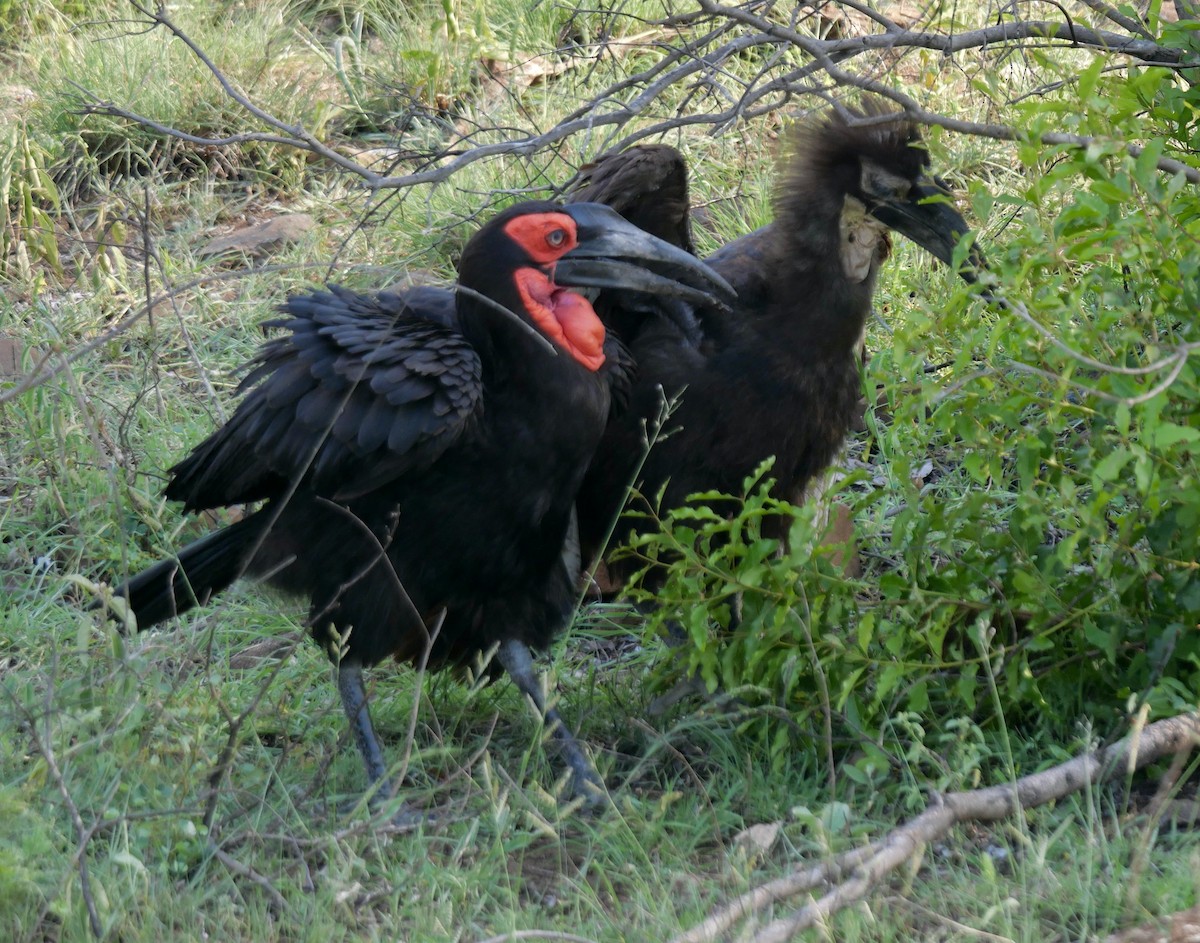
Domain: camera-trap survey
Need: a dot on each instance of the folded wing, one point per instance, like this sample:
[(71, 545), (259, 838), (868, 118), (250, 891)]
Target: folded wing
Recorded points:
[(359, 391)]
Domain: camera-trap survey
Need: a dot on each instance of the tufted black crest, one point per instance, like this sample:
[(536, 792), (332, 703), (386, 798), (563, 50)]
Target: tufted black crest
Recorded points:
[(825, 156)]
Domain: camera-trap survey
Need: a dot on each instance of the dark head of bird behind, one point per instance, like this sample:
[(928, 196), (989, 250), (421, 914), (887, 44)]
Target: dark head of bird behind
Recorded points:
[(647, 184), (875, 157)]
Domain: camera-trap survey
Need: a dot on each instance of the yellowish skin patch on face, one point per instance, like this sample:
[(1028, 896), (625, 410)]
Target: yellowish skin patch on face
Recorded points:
[(864, 241)]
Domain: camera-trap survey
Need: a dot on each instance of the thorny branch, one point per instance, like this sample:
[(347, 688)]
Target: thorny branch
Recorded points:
[(57, 361), (1006, 33), (1172, 363), (854, 874), (695, 60)]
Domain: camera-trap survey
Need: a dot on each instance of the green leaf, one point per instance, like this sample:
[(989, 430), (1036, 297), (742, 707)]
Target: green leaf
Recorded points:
[(1090, 76), (866, 630), (1146, 165), (1168, 434), (1111, 465)]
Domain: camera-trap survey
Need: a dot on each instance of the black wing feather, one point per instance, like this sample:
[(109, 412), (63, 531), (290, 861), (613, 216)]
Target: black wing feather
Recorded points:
[(359, 391)]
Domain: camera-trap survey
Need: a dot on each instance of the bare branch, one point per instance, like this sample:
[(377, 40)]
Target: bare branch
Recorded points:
[(887, 23), (1123, 21), (698, 59), (250, 874), (101, 106), (1083, 37), (1003, 33), (296, 133), (43, 371), (220, 769)]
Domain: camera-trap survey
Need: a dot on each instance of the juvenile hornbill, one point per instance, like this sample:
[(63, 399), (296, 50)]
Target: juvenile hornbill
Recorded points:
[(779, 373), (418, 454)]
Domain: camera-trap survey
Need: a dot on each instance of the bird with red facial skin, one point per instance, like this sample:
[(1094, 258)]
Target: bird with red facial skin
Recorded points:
[(418, 453)]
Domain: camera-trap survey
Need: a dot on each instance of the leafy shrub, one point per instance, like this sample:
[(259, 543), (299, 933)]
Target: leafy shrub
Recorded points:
[(1044, 562)]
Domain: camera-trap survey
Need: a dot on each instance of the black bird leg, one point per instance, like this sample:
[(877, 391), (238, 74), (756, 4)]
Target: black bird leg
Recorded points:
[(354, 703), (586, 783)]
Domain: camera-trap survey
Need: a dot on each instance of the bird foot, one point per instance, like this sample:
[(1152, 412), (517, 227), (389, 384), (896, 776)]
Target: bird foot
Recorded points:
[(584, 788), (588, 790)]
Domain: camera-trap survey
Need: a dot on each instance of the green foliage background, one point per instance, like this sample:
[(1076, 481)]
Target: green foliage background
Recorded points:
[(1045, 566)]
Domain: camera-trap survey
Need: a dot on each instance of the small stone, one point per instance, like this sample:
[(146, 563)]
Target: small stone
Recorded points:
[(757, 840)]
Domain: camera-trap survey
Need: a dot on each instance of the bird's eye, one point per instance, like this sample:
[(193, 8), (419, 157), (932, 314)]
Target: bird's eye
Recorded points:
[(555, 238)]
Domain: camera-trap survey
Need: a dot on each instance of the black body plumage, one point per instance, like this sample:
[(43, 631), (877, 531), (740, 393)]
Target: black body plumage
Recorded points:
[(779, 374), (363, 429)]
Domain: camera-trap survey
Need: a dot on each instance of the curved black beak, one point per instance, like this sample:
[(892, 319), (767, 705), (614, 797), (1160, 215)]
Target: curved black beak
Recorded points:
[(926, 217), (613, 253)]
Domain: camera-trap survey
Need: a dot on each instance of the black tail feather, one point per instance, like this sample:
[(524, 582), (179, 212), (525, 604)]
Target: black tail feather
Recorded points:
[(198, 572)]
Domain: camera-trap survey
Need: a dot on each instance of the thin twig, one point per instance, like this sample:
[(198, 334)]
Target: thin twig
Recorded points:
[(537, 935), (225, 760), (248, 872), (823, 52), (150, 254), (294, 132), (692, 58), (1123, 21)]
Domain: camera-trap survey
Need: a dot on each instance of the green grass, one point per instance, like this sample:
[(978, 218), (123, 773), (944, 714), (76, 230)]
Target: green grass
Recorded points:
[(126, 733), (134, 732)]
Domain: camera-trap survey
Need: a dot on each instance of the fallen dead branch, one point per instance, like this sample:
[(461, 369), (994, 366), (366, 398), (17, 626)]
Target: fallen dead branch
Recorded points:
[(851, 876)]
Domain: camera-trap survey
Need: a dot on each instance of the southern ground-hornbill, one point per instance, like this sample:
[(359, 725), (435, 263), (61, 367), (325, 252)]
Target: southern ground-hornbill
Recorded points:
[(779, 373), (418, 455)]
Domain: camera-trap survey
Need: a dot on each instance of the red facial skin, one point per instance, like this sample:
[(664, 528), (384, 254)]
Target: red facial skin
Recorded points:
[(567, 318)]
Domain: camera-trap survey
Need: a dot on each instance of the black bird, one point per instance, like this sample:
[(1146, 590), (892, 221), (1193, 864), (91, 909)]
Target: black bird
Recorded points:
[(419, 453), (779, 373)]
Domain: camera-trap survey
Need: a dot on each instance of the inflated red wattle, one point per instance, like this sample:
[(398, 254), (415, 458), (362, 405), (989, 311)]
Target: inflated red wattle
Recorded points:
[(565, 317)]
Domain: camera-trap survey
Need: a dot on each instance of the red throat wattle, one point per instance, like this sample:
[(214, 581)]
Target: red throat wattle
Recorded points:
[(567, 318)]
